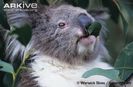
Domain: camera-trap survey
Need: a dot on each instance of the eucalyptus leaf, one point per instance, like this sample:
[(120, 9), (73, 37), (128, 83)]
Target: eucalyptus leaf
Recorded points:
[(94, 28), (22, 34), (123, 14), (109, 73), (6, 67), (126, 18), (124, 62)]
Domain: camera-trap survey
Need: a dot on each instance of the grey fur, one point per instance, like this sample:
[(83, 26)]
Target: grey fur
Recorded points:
[(48, 38), (51, 40)]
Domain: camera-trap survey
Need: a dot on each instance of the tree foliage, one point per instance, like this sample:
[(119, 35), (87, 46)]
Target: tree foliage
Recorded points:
[(119, 43)]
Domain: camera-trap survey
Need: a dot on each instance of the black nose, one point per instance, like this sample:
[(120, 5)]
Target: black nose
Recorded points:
[(84, 20)]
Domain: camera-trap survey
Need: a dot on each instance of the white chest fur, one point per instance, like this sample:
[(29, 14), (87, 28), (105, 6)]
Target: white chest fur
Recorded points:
[(52, 73)]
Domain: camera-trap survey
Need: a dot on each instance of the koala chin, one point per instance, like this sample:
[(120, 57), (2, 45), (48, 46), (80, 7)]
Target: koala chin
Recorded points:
[(62, 48), (87, 44)]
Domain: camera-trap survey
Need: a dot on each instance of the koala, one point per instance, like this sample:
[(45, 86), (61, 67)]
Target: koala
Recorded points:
[(61, 49)]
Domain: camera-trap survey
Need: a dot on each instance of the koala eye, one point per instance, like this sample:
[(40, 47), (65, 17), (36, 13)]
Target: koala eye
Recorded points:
[(62, 24)]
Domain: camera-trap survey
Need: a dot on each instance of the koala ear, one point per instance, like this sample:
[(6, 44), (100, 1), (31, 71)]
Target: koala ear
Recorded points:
[(17, 18), (99, 14)]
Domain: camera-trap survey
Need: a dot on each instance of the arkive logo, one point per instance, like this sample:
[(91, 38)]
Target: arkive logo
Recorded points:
[(22, 5)]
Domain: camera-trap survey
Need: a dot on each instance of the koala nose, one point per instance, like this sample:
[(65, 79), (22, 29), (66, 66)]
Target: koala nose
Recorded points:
[(84, 21)]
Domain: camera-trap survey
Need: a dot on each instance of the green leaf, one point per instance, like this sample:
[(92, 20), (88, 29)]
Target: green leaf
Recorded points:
[(6, 67), (23, 34), (109, 73), (94, 28), (124, 62), (123, 14), (126, 15)]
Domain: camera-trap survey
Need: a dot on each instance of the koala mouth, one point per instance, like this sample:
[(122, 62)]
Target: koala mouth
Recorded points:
[(87, 40), (86, 44)]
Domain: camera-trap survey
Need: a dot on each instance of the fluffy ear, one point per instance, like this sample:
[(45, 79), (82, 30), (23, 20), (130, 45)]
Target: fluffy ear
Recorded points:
[(20, 17), (17, 18), (99, 14)]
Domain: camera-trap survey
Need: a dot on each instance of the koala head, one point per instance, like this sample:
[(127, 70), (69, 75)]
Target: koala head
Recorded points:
[(60, 32)]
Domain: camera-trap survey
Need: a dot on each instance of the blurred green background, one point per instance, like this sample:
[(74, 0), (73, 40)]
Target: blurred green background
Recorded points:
[(119, 25)]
